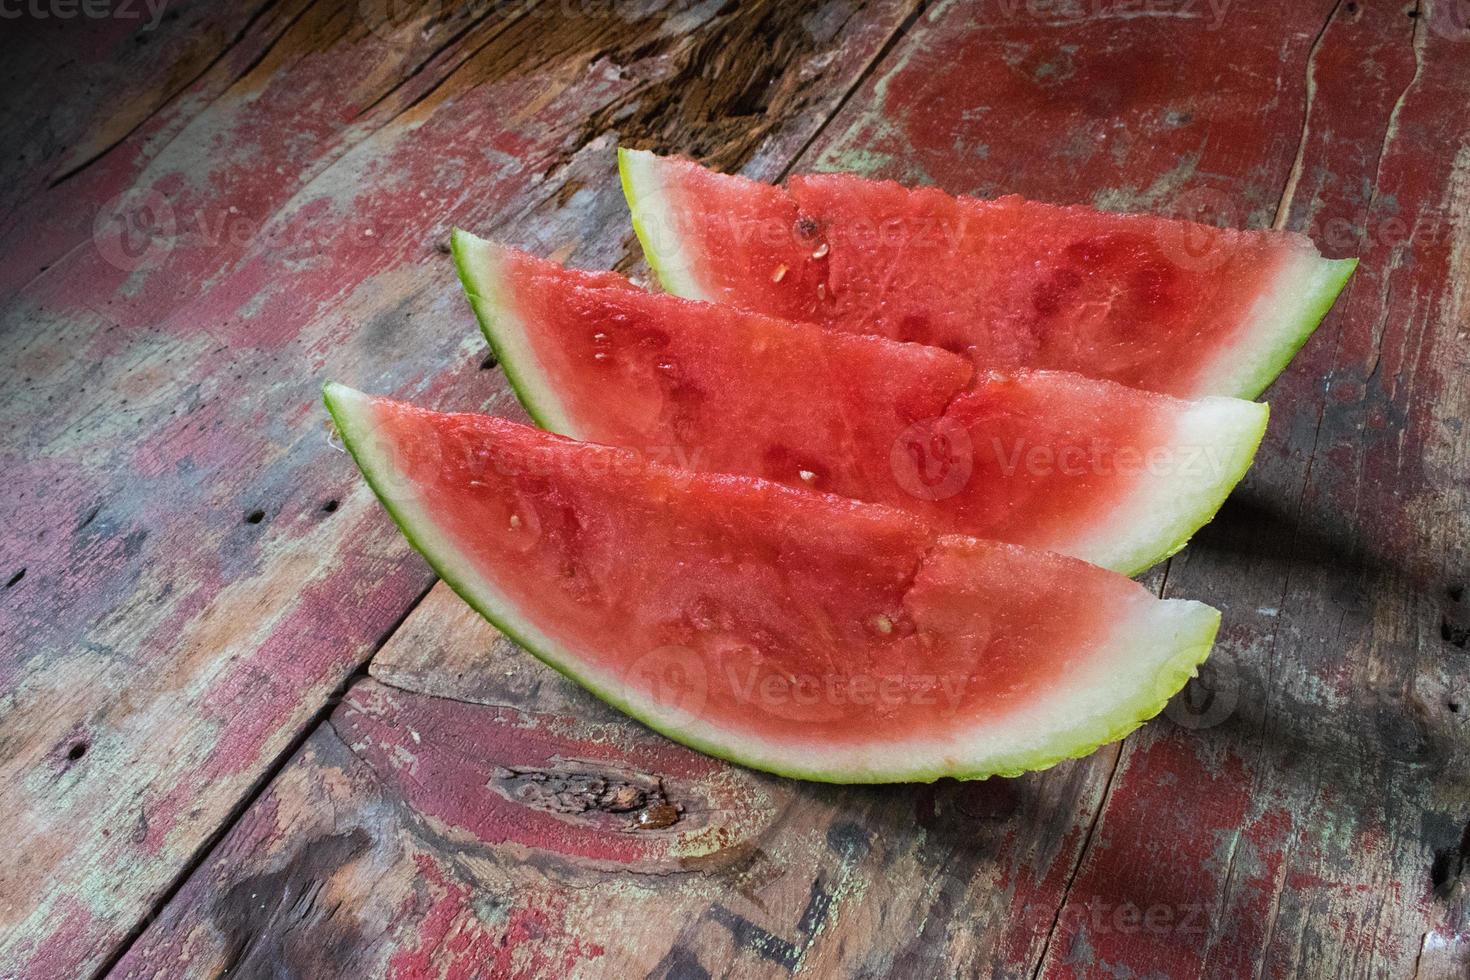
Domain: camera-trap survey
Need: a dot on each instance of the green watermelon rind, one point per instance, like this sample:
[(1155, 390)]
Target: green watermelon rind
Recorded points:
[(518, 360), (653, 223), (1189, 643), (1316, 282), (1287, 313)]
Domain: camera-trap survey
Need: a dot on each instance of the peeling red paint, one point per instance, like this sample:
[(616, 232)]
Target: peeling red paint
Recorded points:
[(532, 942)]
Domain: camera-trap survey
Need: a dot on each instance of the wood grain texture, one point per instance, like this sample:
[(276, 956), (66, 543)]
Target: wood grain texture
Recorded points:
[(1301, 810), (1320, 825), (494, 828), (192, 570)]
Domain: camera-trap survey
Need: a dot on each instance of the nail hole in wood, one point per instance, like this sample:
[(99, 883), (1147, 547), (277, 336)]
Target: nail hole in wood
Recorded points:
[(1449, 866), (1454, 634), (1454, 707), (77, 751), (14, 579), (330, 507), (490, 362), (255, 517)]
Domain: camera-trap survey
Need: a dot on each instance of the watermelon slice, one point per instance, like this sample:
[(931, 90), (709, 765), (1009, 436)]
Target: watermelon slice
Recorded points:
[(788, 630), (1052, 460), (1167, 306)]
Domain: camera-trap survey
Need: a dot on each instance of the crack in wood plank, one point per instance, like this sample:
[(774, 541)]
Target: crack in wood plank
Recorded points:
[(266, 778), (1283, 204), (1082, 854)]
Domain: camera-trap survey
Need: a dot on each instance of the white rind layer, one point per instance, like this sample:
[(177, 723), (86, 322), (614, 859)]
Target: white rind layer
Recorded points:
[(1282, 318), (656, 222), (479, 271), (479, 264), (1180, 488), (1151, 652)]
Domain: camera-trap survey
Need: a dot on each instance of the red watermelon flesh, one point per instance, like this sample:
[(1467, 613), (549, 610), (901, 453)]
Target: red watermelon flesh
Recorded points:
[(1167, 306), (789, 630), (1051, 460)]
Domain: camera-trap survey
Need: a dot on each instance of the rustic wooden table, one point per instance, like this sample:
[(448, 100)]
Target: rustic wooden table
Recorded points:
[(244, 731)]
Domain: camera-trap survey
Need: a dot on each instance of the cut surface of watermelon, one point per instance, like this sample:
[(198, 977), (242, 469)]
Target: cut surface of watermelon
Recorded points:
[(788, 630), (1168, 306), (1112, 475)]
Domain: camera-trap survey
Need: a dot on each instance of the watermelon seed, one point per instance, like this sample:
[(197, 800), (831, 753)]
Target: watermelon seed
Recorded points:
[(821, 251), (821, 290), (490, 362), (779, 274), (807, 476), (515, 521), (883, 624)]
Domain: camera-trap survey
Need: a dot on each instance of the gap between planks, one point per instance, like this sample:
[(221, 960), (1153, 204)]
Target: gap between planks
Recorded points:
[(268, 776)]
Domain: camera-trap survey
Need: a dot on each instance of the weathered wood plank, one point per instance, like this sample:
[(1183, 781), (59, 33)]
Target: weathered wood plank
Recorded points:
[(980, 879), (192, 570), (337, 71), (79, 79), (1320, 827), (754, 885)]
